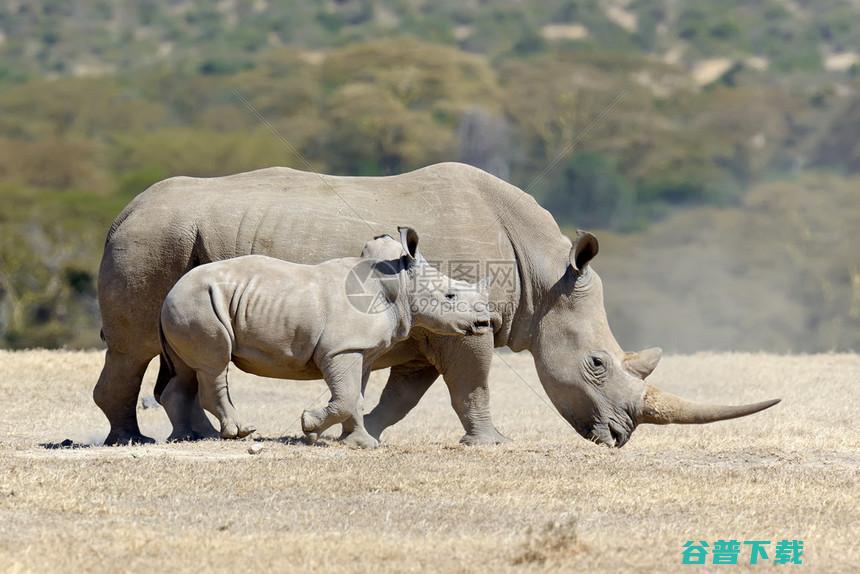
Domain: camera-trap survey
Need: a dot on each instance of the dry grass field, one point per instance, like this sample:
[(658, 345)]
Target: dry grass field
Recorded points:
[(549, 500)]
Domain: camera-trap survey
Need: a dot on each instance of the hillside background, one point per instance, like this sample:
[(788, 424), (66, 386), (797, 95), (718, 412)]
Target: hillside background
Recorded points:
[(713, 146)]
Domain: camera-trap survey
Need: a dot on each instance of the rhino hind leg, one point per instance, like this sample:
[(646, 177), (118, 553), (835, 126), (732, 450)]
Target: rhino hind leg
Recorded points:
[(186, 415), (201, 426), (116, 395), (406, 384), (179, 399), (215, 398)]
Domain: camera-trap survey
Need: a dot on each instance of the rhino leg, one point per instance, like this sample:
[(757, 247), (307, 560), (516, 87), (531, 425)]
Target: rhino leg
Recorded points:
[(346, 378), (215, 398), (467, 368), (116, 395), (196, 425), (200, 424), (179, 399), (354, 432), (406, 384)]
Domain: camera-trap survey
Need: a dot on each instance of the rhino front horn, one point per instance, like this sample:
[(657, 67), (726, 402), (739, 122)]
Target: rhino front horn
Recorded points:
[(662, 408)]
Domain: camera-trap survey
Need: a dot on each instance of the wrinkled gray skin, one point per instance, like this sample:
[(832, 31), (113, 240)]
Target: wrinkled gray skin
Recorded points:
[(287, 320), (552, 305)]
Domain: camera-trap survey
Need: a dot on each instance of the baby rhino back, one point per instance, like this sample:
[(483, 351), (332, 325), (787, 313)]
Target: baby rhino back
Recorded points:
[(265, 314)]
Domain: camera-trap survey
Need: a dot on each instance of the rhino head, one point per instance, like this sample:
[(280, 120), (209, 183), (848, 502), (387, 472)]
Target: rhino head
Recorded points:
[(597, 387), (434, 301)]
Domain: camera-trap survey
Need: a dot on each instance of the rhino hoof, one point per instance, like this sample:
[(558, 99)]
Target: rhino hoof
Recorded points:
[(311, 437), (360, 439), (187, 436), (484, 438), (124, 438), (234, 430), (310, 422)]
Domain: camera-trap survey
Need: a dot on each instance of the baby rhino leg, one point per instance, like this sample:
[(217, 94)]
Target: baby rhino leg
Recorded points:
[(215, 398), (354, 433), (343, 374)]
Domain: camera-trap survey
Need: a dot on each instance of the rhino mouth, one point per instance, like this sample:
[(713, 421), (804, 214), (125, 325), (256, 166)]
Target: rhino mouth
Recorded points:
[(606, 434), (480, 327), (620, 437)]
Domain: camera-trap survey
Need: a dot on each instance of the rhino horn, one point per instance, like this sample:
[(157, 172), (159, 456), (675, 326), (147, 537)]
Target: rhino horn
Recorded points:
[(662, 408)]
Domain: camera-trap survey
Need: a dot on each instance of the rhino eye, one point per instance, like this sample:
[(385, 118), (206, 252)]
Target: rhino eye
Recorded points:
[(597, 364)]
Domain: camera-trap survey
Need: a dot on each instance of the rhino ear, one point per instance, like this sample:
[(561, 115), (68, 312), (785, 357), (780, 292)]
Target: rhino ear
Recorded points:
[(644, 362), (583, 250), (409, 241)]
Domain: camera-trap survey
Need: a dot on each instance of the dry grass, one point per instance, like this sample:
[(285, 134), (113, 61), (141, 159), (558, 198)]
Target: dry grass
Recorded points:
[(549, 500)]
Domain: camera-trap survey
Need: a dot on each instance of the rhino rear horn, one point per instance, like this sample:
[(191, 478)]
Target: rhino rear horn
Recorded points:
[(662, 408), (644, 362)]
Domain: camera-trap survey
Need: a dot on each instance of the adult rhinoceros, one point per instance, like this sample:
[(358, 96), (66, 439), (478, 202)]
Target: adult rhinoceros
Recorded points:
[(551, 303)]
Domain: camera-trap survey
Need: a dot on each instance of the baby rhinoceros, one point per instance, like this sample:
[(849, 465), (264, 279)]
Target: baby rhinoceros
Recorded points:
[(286, 320)]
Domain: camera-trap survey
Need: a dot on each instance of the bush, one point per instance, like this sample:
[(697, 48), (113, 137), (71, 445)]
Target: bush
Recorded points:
[(591, 192)]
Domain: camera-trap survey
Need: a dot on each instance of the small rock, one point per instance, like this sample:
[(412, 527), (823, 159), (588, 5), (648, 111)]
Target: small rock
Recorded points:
[(67, 443), (149, 403), (255, 448)]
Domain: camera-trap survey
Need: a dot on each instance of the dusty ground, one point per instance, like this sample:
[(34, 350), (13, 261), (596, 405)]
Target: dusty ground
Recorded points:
[(549, 500)]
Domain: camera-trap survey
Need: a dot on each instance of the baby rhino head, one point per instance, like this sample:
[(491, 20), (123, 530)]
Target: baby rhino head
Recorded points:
[(436, 302)]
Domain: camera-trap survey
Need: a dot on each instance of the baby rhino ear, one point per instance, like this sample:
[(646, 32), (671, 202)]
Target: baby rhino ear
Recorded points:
[(409, 241)]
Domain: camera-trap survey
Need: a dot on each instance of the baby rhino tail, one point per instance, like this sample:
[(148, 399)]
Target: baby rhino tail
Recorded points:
[(166, 368)]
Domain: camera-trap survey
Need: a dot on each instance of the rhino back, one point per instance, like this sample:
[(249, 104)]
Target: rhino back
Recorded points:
[(461, 213)]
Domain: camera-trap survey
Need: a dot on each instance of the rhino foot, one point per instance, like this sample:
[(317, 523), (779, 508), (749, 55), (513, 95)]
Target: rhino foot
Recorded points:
[(118, 438), (232, 429), (359, 438), (185, 436), (311, 422), (311, 437), (491, 436), (200, 424)]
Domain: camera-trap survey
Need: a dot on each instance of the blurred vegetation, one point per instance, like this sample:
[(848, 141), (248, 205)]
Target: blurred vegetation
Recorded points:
[(626, 116), (779, 272)]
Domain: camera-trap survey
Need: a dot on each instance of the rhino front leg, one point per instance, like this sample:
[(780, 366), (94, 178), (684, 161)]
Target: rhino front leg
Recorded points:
[(406, 385), (345, 377), (467, 364)]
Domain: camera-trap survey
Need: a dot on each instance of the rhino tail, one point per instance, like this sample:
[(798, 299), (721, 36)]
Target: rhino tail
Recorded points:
[(166, 367)]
